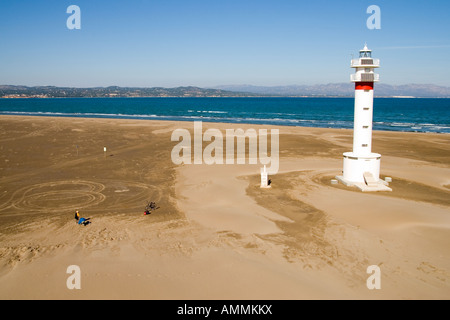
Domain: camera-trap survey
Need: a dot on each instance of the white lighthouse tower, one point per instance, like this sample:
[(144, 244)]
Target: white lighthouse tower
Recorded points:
[(362, 166)]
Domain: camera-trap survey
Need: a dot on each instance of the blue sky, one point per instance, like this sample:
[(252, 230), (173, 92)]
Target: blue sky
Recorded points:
[(204, 43)]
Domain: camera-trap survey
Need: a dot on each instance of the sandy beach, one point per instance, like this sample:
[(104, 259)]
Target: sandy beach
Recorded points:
[(217, 234)]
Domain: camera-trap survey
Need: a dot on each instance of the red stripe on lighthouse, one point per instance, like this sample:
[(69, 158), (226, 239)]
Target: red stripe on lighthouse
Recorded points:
[(364, 86)]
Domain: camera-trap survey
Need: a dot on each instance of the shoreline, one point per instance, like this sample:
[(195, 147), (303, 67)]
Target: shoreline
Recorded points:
[(163, 119), (217, 234), (208, 97)]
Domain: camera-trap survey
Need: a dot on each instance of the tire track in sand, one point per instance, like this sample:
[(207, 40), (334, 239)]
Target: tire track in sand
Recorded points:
[(61, 196)]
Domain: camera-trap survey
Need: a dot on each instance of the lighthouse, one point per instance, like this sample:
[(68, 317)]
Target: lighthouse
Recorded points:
[(362, 166)]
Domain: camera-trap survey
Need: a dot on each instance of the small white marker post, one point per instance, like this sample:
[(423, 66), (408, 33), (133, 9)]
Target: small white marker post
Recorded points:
[(264, 178), (104, 151)]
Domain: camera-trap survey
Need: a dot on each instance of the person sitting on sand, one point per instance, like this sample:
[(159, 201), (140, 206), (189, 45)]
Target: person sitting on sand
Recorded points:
[(81, 221)]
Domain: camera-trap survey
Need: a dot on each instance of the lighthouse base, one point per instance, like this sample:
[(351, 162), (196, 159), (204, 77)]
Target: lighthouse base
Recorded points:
[(363, 172)]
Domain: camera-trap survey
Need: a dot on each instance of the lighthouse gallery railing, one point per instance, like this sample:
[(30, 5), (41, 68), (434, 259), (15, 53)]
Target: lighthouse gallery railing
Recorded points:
[(365, 62), (364, 77)]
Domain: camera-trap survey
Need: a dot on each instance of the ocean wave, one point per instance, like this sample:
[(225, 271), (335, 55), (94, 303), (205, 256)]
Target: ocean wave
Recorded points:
[(218, 112), (401, 124), (207, 111), (440, 127), (34, 113), (265, 119)]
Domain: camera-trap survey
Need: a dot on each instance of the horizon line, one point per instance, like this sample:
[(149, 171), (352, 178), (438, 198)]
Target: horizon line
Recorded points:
[(211, 87)]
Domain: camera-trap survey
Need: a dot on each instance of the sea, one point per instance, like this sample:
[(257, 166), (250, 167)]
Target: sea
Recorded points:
[(390, 114)]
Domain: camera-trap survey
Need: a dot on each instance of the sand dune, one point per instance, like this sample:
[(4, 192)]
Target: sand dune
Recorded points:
[(217, 235)]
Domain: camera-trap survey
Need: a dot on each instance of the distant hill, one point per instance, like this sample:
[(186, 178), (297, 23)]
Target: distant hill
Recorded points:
[(7, 91), (324, 90), (343, 90)]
